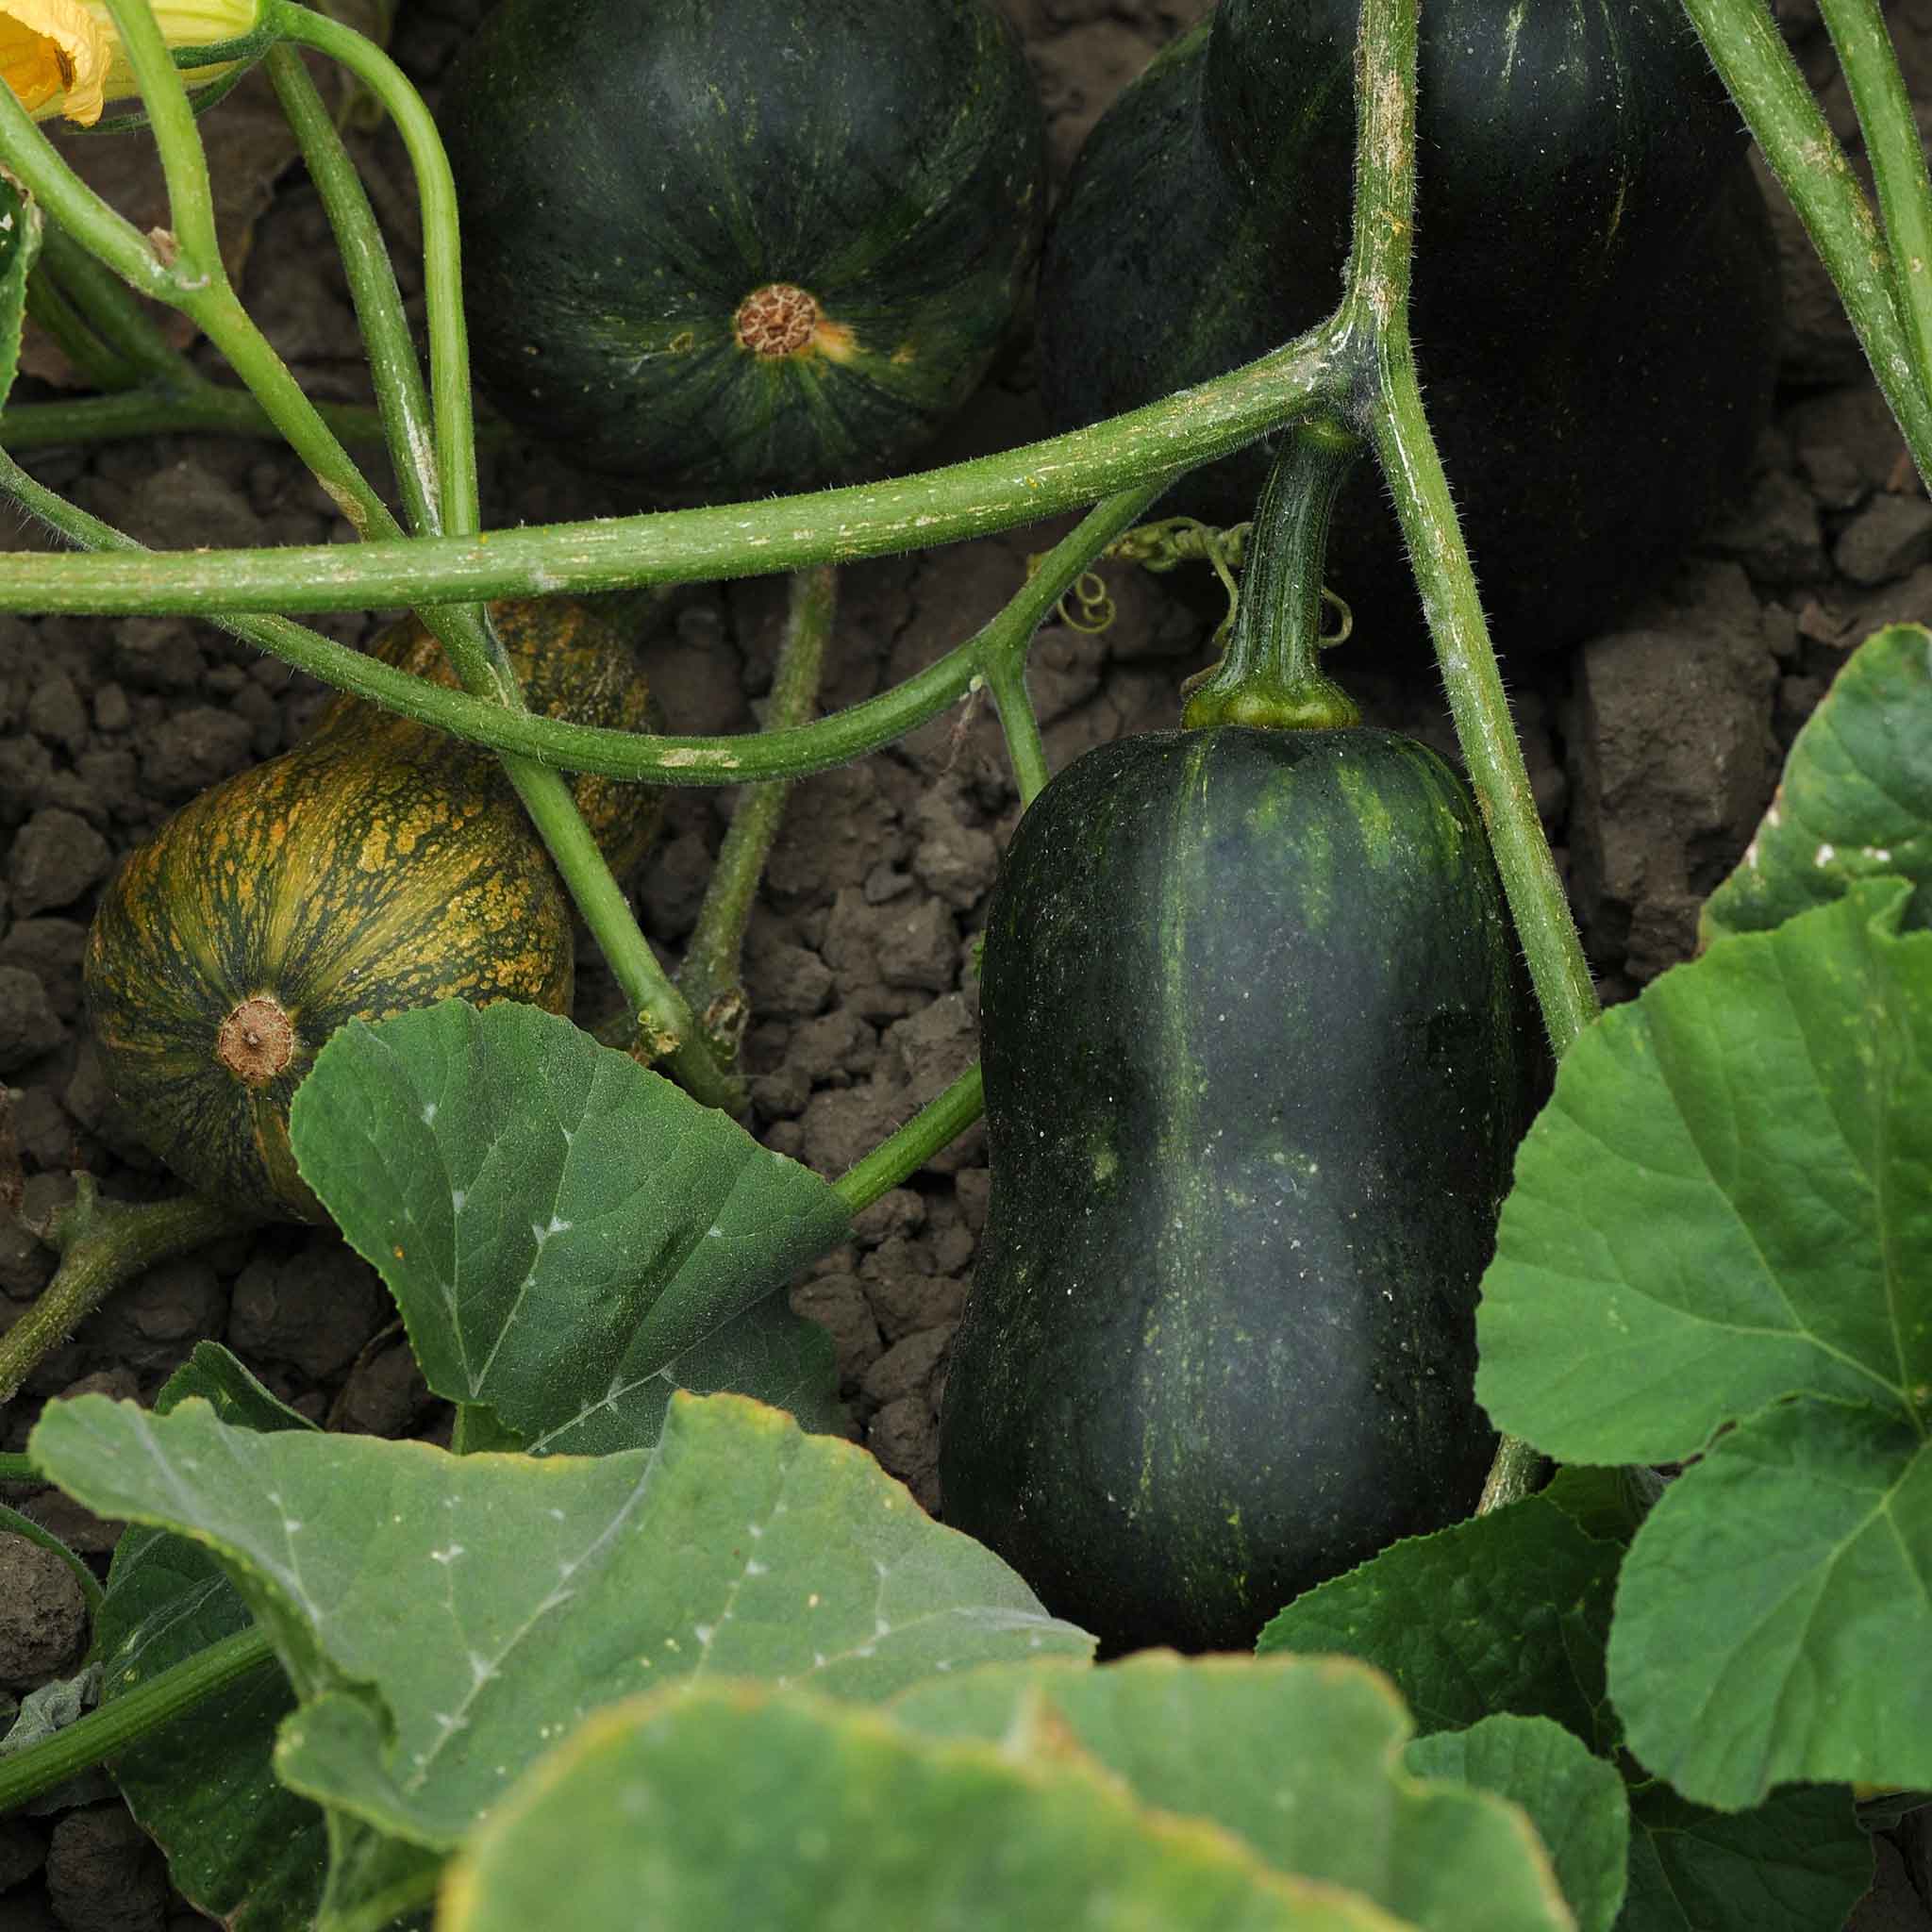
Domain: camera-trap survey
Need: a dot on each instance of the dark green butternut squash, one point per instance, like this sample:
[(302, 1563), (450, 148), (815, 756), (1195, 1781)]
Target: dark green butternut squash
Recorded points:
[(1256, 1051)]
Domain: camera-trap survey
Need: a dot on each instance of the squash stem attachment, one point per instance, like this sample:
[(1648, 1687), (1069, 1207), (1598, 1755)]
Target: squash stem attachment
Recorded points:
[(1271, 674)]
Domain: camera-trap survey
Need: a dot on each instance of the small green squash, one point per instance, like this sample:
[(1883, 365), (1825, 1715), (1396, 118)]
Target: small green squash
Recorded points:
[(737, 245), (1257, 1050), (377, 866)]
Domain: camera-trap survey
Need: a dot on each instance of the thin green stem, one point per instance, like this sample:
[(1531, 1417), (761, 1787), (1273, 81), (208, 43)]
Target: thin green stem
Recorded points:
[(206, 296), (384, 329), (1389, 412), (14, 1523), (115, 312), (726, 760), (184, 162), (65, 325), (70, 204), (103, 1244), (105, 1733), (1750, 55), (773, 535), (146, 412), (938, 1122), (1392, 415), (19, 1469), (1883, 107), (443, 279), (1006, 679), (712, 965), (1516, 1473), (999, 652), (1271, 674)]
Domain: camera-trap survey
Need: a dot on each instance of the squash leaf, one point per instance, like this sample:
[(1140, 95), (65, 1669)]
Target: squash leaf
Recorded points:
[(1302, 1757), (1797, 1863), (1729, 1198), (838, 1817), (240, 1847), (1575, 1801), (569, 1237), (1505, 1613), (445, 1619), (1761, 1598), (1856, 799)]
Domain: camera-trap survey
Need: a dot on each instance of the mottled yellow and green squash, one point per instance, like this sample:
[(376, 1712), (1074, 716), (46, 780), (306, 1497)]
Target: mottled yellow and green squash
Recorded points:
[(377, 867), (572, 664)]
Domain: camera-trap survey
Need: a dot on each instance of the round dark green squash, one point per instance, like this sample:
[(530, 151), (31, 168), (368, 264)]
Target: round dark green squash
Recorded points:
[(727, 246), (1257, 1052), (1595, 306), (360, 874)]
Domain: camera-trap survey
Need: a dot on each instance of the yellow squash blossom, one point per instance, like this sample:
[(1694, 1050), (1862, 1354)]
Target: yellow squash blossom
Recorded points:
[(63, 57)]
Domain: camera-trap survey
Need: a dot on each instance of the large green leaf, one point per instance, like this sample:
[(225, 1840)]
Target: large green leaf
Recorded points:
[(740, 1806), (1772, 1605), (1505, 1613), (240, 1846), (1575, 1799), (1856, 799), (1300, 1756), (444, 1619), (1728, 1199), (568, 1236), (1797, 1863)]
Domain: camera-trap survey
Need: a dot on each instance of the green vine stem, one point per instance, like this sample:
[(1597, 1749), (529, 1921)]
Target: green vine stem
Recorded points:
[(102, 1243), (181, 266), (837, 740), (67, 328), (713, 969), (1375, 310), (384, 329), (1390, 411), (1898, 166), (1271, 674), (115, 312), (938, 1122), (151, 411), (106, 1732), (757, 539), (194, 280), (1750, 55), (18, 1468), (1006, 679), (449, 351)]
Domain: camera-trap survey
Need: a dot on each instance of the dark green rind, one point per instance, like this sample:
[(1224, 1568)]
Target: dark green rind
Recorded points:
[(1256, 1050), (1561, 144), (1156, 274), (628, 175), (351, 878), (1594, 402)]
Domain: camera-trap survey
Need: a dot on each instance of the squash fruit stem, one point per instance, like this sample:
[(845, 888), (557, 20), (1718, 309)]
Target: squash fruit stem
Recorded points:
[(1269, 675)]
